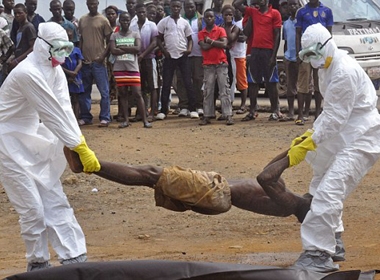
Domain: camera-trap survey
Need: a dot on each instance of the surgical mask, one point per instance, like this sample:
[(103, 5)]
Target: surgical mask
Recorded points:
[(59, 50), (314, 52)]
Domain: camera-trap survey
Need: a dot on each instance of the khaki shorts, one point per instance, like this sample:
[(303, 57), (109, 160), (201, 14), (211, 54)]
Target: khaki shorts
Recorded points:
[(307, 78), (181, 189)]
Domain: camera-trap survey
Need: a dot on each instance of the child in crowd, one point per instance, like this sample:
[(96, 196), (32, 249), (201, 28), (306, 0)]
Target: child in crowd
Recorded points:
[(72, 67), (213, 41)]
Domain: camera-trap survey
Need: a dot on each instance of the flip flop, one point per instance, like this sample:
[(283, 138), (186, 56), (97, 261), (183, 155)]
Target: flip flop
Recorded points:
[(300, 122)]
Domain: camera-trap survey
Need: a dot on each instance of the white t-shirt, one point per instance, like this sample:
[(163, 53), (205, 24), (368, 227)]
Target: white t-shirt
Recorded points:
[(196, 51), (175, 35), (239, 49)]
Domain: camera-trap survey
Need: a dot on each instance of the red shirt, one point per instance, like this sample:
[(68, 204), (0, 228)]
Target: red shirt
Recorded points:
[(263, 26), (213, 55)]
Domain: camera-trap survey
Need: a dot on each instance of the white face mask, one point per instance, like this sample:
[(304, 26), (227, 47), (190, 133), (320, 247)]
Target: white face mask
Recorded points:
[(317, 63)]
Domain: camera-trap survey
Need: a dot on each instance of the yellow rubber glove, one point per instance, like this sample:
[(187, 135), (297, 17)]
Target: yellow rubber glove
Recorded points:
[(299, 139), (87, 157), (298, 152)]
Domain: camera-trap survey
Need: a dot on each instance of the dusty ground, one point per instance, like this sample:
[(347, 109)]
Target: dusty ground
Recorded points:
[(122, 223)]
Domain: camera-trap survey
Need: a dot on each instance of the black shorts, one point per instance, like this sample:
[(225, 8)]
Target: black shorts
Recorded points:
[(259, 66), (148, 73)]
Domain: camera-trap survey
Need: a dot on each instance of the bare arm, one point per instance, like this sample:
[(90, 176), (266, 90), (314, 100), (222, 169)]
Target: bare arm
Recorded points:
[(238, 4), (160, 43), (149, 49), (208, 43), (189, 45), (298, 41), (276, 40)]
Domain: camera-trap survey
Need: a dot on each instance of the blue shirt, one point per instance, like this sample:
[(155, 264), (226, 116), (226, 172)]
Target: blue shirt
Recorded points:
[(289, 35), (71, 63), (307, 16)]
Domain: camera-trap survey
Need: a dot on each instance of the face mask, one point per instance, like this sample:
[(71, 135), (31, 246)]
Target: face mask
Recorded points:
[(317, 62), (314, 52), (55, 61)]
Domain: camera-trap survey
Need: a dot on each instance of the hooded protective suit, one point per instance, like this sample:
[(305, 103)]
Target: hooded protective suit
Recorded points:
[(36, 119), (347, 137)]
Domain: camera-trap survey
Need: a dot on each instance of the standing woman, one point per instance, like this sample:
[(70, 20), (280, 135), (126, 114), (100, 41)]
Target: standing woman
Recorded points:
[(112, 13), (125, 46)]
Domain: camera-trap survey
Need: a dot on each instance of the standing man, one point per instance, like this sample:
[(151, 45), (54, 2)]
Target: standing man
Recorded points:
[(290, 58), (56, 10), (36, 121), (176, 43), (69, 10), (95, 33), (25, 36), (195, 63), (265, 42), (343, 146), (131, 9), (313, 12), (148, 68), (32, 17)]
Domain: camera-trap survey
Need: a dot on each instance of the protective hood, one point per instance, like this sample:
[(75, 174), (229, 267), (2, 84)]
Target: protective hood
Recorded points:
[(317, 38), (50, 32)]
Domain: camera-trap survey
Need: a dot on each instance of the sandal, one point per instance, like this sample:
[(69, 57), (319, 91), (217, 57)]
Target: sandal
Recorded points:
[(241, 111), (300, 122), (249, 117), (123, 125), (283, 118)]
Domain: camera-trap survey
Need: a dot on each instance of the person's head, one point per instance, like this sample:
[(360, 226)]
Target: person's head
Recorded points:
[(160, 12), (56, 8), (218, 4), (68, 9), (190, 9), (125, 21), (283, 8), (52, 45), (318, 48), (199, 6), (19, 12), (31, 6), (314, 3), (8, 5), (111, 14), (209, 17), (131, 7), (166, 6), (175, 8), (228, 13), (70, 34), (293, 6), (238, 15), (141, 12), (262, 3), (151, 12), (92, 6)]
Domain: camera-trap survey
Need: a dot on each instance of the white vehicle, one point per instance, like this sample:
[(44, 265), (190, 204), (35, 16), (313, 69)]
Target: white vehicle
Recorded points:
[(357, 30)]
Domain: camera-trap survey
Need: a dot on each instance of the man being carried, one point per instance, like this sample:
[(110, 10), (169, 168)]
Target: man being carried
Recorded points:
[(180, 189)]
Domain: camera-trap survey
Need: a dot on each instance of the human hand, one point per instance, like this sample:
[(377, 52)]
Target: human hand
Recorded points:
[(87, 157), (299, 139), (298, 152), (166, 54)]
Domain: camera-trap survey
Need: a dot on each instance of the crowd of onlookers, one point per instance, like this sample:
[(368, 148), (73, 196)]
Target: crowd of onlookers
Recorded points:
[(139, 56)]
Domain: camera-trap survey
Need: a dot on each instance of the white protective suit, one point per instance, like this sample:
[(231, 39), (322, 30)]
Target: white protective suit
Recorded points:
[(347, 136), (31, 155)]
